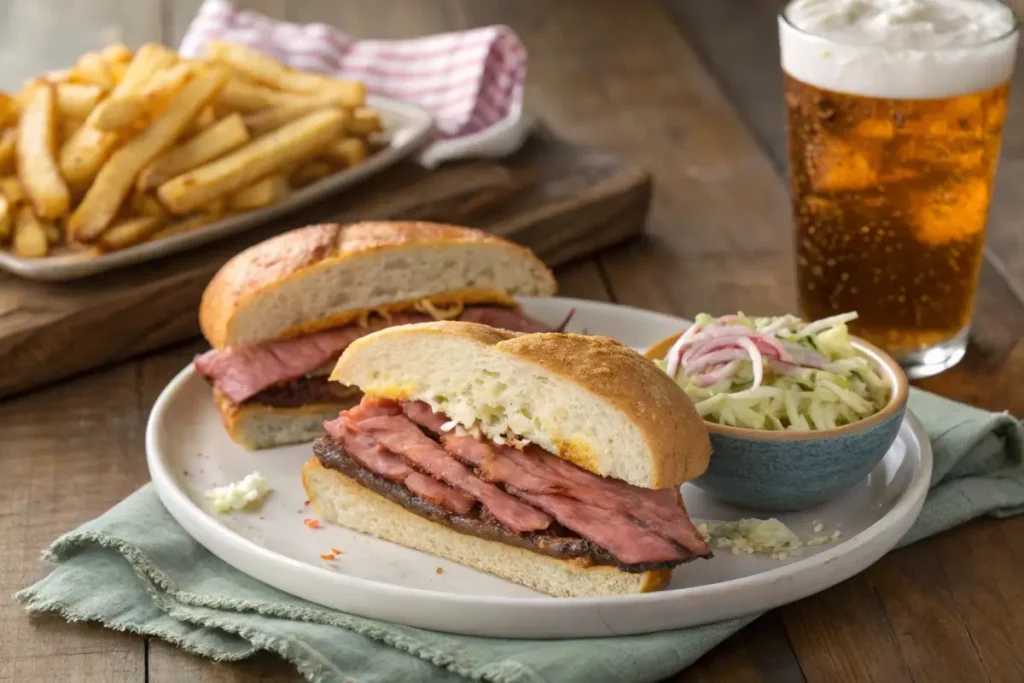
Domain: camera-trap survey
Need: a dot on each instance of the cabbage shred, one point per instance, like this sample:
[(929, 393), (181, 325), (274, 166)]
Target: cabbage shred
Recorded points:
[(777, 373)]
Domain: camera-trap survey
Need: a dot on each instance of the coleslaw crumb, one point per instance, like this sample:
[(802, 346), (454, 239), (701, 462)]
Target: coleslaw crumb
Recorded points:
[(768, 537), (312, 523), (241, 494)]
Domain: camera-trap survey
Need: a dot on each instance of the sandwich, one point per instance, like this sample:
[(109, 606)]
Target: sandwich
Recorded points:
[(279, 314), (552, 460)]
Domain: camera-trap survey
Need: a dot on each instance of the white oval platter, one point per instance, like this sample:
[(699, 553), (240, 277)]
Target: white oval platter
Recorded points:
[(189, 453), (406, 125)]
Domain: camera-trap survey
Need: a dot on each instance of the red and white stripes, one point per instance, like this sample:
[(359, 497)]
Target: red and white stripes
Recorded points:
[(470, 80)]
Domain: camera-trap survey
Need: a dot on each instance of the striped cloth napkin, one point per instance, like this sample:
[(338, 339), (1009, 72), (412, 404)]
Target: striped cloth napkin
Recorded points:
[(471, 81)]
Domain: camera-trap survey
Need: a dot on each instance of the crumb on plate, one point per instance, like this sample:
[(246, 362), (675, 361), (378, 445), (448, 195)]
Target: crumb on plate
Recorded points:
[(762, 536), (240, 494)]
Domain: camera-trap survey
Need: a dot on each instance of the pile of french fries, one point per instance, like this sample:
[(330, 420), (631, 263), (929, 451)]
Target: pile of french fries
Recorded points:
[(128, 147)]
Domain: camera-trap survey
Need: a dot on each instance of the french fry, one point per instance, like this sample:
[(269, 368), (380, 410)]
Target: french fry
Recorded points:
[(207, 117), (146, 204), (54, 235), (118, 70), (349, 151), (364, 122), (185, 225), (263, 69), (5, 219), (129, 231), (68, 127), (267, 120), (11, 188), (91, 69), (248, 97), (116, 113), (126, 147), (84, 153), (118, 53), (122, 112), (36, 145), (310, 172), (29, 235), (227, 134), (265, 155), (9, 108), (116, 178), (270, 190), (8, 142), (76, 101), (214, 209), (148, 60)]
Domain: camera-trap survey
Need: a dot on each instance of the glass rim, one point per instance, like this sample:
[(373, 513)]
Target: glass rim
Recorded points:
[(1014, 30)]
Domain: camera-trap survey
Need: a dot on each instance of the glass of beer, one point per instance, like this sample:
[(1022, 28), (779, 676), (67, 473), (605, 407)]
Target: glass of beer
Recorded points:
[(895, 113)]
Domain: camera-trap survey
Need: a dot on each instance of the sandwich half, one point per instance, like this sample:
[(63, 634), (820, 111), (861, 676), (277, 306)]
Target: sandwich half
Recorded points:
[(279, 314), (551, 460)]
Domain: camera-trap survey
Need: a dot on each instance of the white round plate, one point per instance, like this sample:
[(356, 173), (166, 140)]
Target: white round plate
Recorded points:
[(407, 127), (189, 453)]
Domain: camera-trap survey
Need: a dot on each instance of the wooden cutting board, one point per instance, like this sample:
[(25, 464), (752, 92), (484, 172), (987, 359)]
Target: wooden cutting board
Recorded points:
[(562, 201)]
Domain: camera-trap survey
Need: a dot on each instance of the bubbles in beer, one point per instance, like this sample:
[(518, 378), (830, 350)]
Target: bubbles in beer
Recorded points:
[(895, 113), (890, 200)]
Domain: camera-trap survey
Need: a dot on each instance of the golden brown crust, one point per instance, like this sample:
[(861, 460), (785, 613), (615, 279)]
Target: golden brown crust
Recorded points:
[(672, 428), (288, 255), (675, 434)]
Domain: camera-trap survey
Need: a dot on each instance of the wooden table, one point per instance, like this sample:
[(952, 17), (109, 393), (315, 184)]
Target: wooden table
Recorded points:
[(691, 90)]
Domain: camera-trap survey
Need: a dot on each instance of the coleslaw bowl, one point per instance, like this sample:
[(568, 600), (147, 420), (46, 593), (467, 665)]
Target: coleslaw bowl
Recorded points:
[(770, 470)]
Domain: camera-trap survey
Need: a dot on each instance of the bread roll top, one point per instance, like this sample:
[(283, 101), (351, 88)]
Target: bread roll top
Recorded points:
[(327, 275)]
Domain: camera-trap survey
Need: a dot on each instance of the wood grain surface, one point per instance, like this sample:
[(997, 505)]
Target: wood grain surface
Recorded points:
[(690, 90)]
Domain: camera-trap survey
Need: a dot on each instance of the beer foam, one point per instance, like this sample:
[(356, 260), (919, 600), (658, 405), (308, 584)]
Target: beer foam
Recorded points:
[(900, 49)]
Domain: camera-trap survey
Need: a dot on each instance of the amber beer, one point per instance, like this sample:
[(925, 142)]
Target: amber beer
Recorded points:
[(891, 193)]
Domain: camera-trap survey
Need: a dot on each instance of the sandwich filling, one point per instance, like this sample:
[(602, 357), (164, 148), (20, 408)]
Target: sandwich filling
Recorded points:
[(528, 498), (282, 372)]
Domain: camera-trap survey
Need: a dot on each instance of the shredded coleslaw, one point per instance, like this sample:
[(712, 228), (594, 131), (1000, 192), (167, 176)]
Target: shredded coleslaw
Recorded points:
[(778, 373)]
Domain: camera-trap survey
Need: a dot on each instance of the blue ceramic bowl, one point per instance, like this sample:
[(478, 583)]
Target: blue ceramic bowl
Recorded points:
[(780, 471)]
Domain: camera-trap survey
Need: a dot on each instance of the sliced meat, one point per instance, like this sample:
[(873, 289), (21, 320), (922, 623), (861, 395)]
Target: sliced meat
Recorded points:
[(390, 466), (439, 493), (554, 541), (400, 435), (423, 415), (657, 510), (305, 391), (614, 532), (372, 406), (241, 372), (536, 471), (367, 451), (493, 466)]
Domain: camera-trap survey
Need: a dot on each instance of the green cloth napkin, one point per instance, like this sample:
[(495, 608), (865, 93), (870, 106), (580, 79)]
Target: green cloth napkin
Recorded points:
[(134, 569)]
